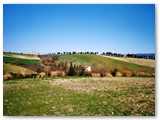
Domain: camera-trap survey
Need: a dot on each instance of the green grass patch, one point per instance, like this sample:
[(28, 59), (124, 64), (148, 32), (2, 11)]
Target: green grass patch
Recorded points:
[(19, 60), (37, 97)]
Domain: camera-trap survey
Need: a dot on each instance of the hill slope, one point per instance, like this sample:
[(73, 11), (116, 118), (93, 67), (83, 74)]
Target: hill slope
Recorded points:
[(7, 68), (20, 60), (139, 61), (99, 61), (16, 63), (21, 56)]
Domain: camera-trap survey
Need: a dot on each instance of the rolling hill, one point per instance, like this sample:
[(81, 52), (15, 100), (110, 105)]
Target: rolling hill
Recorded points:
[(100, 61), (8, 68), (95, 61), (21, 56), (17, 63), (139, 61)]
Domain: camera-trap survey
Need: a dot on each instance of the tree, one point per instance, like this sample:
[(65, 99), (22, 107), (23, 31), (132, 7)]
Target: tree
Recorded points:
[(75, 69), (47, 70), (71, 71), (59, 65), (82, 72), (114, 71), (58, 53), (62, 65), (73, 52), (39, 69), (65, 65)]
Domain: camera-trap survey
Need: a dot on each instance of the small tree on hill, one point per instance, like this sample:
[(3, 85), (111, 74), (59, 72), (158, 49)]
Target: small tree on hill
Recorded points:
[(47, 70), (114, 71), (72, 71), (82, 72), (65, 65)]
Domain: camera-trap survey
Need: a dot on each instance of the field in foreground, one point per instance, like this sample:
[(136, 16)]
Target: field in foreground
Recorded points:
[(117, 96)]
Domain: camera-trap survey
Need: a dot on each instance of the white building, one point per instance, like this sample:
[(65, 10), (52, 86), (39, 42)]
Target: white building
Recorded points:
[(88, 69)]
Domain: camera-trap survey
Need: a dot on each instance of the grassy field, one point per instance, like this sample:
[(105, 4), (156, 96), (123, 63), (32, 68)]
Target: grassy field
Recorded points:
[(110, 64), (8, 68), (75, 96), (20, 60)]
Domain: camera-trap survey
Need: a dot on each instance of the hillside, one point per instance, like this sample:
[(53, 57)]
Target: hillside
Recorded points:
[(16, 63), (21, 56), (139, 61), (99, 61), (95, 61), (20, 60), (7, 68)]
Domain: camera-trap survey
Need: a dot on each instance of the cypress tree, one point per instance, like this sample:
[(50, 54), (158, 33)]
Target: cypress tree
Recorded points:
[(65, 65), (72, 71), (82, 72)]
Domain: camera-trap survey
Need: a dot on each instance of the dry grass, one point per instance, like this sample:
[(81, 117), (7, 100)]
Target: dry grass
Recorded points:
[(30, 57), (8, 68), (139, 61), (101, 84)]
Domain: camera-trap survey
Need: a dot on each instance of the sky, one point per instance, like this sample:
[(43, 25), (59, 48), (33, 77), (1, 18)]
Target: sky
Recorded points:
[(50, 28)]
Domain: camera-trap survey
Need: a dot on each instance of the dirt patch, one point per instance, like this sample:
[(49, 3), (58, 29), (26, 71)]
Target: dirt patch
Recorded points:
[(101, 84)]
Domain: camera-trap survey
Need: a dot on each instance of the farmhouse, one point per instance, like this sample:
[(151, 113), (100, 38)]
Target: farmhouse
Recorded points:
[(88, 69)]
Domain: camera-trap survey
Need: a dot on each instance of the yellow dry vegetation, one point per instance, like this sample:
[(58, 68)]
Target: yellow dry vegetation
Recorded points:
[(139, 61), (30, 57), (7, 68)]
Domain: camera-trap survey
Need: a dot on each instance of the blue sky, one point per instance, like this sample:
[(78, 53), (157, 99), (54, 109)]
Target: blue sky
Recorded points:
[(48, 28)]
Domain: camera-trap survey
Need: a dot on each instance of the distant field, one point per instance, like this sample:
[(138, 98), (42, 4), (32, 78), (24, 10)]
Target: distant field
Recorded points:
[(8, 68), (123, 96), (139, 61), (19, 60), (95, 60), (22, 56)]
